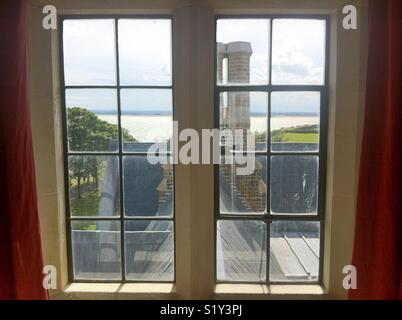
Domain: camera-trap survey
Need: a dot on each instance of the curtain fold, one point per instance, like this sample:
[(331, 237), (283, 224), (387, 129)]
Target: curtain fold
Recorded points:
[(21, 260), (378, 242)]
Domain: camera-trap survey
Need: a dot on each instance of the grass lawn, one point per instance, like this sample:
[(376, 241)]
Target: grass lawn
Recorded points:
[(86, 206), (306, 134), (300, 137), (84, 225)]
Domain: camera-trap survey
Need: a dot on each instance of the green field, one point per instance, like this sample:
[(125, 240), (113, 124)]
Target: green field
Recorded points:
[(300, 137), (307, 134)]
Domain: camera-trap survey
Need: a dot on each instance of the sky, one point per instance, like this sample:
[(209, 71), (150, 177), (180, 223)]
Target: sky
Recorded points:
[(145, 59), (105, 100)]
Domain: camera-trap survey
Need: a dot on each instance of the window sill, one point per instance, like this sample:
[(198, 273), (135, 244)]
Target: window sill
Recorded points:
[(117, 291), (149, 291), (277, 291)]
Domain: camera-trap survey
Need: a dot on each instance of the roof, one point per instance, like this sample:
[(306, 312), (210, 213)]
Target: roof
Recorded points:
[(149, 245)]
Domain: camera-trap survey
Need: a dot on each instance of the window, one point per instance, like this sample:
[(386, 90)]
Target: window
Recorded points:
[(271, 79), (118, 101)]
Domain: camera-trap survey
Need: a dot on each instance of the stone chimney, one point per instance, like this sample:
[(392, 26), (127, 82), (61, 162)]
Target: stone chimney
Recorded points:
[(238, 54), (250, 191), (235, 113)]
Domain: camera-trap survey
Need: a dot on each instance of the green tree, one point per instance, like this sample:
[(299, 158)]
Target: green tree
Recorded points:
[(260, 136), (86, 132)]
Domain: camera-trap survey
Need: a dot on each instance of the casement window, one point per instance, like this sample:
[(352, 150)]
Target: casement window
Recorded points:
[(117, 89), (271, 77)]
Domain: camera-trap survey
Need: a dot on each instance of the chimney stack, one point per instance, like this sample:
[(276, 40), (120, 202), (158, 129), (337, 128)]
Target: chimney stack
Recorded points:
[(236, 105)]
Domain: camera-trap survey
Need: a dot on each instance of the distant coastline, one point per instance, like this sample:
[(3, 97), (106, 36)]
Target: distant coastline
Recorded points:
[(156, 126), (134, 113), (168, 113)]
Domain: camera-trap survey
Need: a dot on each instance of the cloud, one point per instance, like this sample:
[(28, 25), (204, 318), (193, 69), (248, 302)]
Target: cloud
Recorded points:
[(298, 52), (292, 66)]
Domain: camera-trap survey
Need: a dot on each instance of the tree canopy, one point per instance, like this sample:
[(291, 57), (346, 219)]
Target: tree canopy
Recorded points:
[(86, 132)]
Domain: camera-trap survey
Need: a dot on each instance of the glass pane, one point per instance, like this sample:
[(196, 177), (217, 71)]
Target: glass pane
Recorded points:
[(96, 250), (298, 51), (149, 251), (89, 52), (243, 193), (92, 120), (242, 51), (295, 121), (148, 188), (294, 184), (145, 52), (147, 116), (241, 250), (94, 185), (295, 251), (246, 111)]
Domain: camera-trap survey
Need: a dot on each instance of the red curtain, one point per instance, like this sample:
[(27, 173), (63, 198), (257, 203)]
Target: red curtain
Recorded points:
[(21, 260), (378, 234)]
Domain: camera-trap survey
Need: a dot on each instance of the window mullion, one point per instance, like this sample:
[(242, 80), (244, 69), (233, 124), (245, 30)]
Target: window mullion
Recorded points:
[(268, 230), (121, 193)]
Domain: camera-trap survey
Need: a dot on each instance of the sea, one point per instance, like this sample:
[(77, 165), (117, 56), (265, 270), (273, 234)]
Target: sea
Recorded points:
[(158, 128)]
